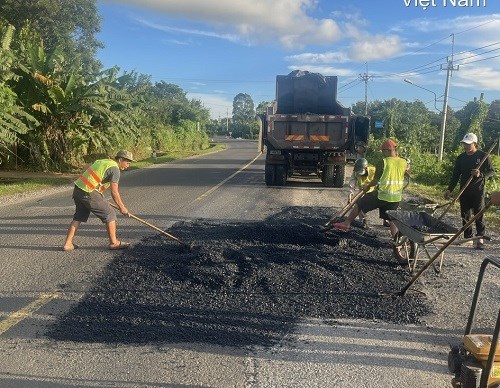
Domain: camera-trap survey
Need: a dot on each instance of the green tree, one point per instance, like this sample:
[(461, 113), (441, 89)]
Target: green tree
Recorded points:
[(243, 108), (244, 119), (261, 108), (451, 129), (472, 117), (14, 120), (68, 24), (491, 132)]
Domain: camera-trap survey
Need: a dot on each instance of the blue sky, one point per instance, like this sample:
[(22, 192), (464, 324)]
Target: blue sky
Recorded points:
[(215, 49)]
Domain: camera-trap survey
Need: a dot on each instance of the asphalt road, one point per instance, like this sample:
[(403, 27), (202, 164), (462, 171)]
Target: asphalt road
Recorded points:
[(40, 283)]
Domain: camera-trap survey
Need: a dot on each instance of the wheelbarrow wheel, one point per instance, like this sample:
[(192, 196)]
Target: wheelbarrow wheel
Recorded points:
[(403, 249)]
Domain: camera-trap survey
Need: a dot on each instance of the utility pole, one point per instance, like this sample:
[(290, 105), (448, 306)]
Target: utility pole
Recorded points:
[(449, 70), (365, 77)]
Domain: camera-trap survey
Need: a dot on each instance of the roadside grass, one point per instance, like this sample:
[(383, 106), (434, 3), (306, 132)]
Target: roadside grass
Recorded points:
[(17, 185), (24, 181)]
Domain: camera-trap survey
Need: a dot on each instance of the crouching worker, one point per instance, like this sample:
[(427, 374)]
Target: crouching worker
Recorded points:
[(389, 180), (88, 197), (362, 174)]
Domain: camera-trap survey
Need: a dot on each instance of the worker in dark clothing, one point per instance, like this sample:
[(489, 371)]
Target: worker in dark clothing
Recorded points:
[(472, 198)]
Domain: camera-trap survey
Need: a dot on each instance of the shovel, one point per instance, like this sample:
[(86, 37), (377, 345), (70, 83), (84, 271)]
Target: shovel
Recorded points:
[(342, 212), (155, 228)]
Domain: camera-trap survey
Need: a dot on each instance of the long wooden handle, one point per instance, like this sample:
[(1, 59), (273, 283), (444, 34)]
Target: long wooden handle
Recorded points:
[(441, 250), (152, 226), (346, 208)]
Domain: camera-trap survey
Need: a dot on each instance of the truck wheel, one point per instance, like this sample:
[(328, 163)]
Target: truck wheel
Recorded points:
[(270, 174), (339, 178), (328, 175), (280, 175)]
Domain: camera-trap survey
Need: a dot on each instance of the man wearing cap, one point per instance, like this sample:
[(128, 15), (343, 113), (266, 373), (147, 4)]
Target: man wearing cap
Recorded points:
[(88, 197), (472, 198), (389, 179)]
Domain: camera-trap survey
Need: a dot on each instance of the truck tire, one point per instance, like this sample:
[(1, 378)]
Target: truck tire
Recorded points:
[(280, 176), (339, 178), (270, 174), (328, 175)]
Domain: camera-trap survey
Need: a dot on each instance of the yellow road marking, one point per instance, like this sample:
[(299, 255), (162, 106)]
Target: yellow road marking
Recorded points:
[(17, 316), (225, 180)]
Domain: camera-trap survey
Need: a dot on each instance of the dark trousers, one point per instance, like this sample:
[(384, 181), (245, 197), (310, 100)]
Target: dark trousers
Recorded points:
[(472, 201)]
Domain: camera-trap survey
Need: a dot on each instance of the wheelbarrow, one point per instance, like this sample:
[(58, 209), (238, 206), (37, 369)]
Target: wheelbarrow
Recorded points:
[(419, 231), (419, 205)]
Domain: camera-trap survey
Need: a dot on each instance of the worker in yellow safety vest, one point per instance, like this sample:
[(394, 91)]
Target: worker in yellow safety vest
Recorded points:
[(389, 183), (362, 174), (88, 197)]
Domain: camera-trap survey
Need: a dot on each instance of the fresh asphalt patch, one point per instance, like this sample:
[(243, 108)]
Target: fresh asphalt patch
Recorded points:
[(243, 284)]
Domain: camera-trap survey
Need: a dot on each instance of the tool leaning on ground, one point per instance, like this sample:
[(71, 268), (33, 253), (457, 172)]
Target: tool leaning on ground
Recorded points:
[(188, 246), (444, 246), (338, 216)]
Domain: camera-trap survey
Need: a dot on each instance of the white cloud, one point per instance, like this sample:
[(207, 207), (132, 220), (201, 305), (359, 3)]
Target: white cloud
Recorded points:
[(220, 107), (470, 31), (327, 57), (156, 26), (478, 77), (325, 70), (251, 22), (372, 48)]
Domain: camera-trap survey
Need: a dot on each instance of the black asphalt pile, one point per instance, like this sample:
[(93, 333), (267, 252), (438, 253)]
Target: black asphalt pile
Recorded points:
[(242, 284)]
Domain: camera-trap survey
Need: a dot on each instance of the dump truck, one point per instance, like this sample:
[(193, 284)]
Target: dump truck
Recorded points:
[(307, 132)]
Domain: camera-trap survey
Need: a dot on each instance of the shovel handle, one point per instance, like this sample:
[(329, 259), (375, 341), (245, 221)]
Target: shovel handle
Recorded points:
[(152, 226), (346, 208)]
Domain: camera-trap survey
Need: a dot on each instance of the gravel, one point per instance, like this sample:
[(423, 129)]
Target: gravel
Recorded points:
[(243, 284)]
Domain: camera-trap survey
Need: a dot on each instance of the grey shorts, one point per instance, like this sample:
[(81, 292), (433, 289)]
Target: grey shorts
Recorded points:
[(92, 202), (371, 202)]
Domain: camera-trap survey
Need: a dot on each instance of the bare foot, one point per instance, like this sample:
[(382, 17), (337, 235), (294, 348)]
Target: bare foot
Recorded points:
[(71, 247)]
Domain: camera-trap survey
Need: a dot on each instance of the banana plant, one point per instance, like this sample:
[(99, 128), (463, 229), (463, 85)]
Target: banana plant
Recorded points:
[(14, 120), (76, 116)]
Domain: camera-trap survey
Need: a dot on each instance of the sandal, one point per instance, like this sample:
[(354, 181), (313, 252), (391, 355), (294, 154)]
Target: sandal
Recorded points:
[(341, 226), (121, 245)]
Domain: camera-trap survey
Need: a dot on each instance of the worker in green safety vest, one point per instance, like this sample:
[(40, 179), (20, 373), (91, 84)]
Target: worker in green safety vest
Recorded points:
[(389, 183), (88, 197), (362, 174)]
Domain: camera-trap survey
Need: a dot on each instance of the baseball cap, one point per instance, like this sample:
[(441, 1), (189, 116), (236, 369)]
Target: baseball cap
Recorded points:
[(388, 144), (469, 138), (125, 155)]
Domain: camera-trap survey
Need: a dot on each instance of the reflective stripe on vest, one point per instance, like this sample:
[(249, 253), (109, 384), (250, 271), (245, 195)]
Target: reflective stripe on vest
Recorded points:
[(91, 178), (390, 184)]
